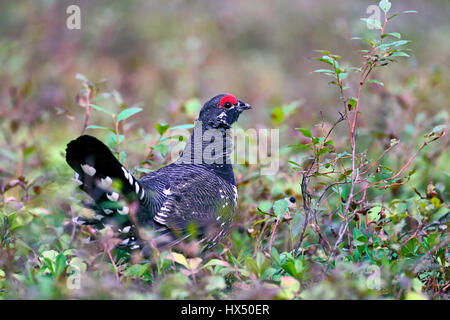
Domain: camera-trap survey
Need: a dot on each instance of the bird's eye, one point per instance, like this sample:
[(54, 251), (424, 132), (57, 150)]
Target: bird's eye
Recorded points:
[(228, 105)]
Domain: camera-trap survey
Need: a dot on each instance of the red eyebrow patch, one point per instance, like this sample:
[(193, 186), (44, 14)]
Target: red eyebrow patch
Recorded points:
[(227, 98)]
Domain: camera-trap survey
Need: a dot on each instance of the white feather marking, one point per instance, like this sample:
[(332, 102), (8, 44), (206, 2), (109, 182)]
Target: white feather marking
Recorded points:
[(134, 247), (167, 192), (235, 194), (130, 178), (76, 220), (159, 219), (123, 211), (142, 194), (222, 115), (77, 181), (125, 230), (106, 182), (88, 169), (137, 187), (125, 172), (113, 196), (125, 242), (108, 211)]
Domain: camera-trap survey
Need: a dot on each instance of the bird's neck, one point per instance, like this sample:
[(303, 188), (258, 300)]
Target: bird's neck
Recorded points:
[(211, 148)]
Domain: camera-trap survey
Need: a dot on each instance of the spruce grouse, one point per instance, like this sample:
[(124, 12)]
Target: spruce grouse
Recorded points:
[(195, 196)]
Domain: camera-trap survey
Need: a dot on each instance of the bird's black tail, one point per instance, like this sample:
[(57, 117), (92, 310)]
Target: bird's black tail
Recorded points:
[(105, 179)]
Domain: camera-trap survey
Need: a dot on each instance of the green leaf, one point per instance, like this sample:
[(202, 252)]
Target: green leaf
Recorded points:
[(399, 54), (99, 127), (396, 14), (359, 238), (264, 205), (161, 148), (385, 5), (305, 132), (324, 71), (327, 59), (161, 128), (399, 43), (60, 264), (322, 51), (392, 44), (101, 109), (410, 248), (280, 207), (216, 262), (322, 151), (392, 34), (136, 270), (342, 75), (112, 139), (125, 114), (351, 103), (251, 265), (179, 258), (375, 81)]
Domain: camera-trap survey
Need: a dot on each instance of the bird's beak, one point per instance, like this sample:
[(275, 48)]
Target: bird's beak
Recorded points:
[(243, 106)]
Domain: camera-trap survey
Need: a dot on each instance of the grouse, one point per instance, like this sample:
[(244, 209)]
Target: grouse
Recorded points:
[(193, 197)]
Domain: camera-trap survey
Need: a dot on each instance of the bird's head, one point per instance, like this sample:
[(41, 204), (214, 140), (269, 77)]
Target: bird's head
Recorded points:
[(222, 111)]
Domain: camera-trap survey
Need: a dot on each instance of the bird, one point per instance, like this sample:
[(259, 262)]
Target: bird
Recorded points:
[(194, 197)]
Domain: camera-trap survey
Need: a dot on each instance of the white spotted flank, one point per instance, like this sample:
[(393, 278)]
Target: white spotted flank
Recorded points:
[(77, 179), (125, 172), (125, 230), (137, 187), (106, 182), (113, 196), (123, 211), (88, 169), (77, 220)]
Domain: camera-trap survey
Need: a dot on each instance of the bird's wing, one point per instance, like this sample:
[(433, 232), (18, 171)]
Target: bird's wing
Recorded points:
[(195, 201)]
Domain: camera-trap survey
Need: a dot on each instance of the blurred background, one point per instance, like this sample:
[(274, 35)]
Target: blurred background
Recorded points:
[(160, 55)]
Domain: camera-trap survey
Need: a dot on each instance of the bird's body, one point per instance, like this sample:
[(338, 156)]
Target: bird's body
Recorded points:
[(194, 196)]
